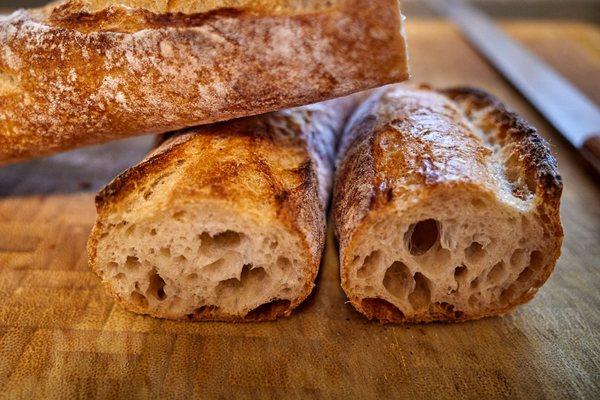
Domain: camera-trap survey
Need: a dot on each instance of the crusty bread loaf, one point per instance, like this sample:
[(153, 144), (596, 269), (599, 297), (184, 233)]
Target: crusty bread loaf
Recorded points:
[(82, 72), (446, 207), (222, 222)]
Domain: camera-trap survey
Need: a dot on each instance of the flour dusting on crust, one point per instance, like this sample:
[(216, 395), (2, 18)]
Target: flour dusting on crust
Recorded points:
[(87, 82)]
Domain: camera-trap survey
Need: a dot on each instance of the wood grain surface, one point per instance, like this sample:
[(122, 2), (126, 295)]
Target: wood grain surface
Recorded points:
[(62, 337)]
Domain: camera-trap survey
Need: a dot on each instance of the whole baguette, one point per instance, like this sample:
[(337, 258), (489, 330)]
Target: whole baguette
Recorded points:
[(223, 222), (76, 73), (446, 206)]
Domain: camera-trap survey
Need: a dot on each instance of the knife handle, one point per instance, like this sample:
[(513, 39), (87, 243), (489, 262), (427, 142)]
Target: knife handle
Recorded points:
[(591, 151)]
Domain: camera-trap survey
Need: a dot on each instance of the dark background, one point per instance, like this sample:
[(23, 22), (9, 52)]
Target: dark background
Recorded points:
[(588, 10)]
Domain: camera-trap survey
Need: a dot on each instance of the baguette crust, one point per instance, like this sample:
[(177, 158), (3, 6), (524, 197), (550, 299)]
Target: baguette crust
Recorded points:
[(78, 73), (405, 147), (274, 169)]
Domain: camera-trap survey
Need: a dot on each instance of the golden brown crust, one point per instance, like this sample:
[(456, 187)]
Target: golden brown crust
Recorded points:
[(399, 150), (70, 77), (89, 8), (277, 166), (533, 150), (131, 16)]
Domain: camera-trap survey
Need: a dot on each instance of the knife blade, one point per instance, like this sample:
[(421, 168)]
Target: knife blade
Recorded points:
[(573, 114)]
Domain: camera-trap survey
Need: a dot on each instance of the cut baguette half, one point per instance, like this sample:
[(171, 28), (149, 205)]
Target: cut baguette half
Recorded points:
[(224, 222), (82, 72), (446, 207)]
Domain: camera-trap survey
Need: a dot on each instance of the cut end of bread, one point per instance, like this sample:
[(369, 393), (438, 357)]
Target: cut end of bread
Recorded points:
[(202, 262), (433, 263), (448, 207)]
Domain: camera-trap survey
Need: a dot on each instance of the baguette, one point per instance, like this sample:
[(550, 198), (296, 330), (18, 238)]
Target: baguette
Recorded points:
[(224, 222), (76, 73), (446, 207)]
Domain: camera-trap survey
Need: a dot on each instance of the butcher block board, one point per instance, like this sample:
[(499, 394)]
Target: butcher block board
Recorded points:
[(62, 337)]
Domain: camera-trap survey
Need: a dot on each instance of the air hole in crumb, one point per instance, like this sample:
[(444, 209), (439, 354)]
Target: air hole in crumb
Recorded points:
[(223, 239), (205, 240), (206, 308), (202, 311), (382, 309), (446, 307), (273, 245), (269, 310), (284, 263), (132, 262), (130, 230), (179, 215), (157, 285), (227, 239), (525, 275), (536, 262), (517, 258), (421, 296), (180, 259), (193, 276), (139, 299), (398, 280), (475, 283), (473, 300), (153, 232), (165, 251), (119, 276), (422, 236), (214, 266), (474, 252), (496, 273), (112, 265), (250, 279), (508, 294), (370, 264), (460, 272)]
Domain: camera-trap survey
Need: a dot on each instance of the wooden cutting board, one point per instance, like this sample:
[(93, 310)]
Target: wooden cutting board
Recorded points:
[(62, 337)]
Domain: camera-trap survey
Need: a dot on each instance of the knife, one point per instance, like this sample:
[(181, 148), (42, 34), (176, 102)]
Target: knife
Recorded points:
[(573, 114)]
